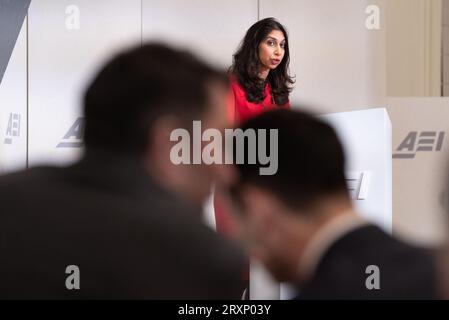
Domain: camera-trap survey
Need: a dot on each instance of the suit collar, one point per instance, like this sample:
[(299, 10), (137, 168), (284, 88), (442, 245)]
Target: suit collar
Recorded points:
[(324, 239)]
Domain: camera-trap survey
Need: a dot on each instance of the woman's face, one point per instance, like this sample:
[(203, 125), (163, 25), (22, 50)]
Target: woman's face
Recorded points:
[(272, 49)]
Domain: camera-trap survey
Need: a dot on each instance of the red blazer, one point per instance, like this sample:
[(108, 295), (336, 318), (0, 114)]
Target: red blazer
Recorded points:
[(240, 110)]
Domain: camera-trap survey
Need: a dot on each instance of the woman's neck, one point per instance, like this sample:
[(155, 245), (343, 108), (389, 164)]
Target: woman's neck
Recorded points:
[(263, 73)]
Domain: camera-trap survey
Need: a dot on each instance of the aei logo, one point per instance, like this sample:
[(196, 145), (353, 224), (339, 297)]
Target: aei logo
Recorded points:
[(74, 136), (358, 184), (13, 128), (419, 141)]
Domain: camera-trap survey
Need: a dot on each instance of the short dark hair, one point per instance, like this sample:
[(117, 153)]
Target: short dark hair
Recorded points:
[(311, 159), (138, 86)]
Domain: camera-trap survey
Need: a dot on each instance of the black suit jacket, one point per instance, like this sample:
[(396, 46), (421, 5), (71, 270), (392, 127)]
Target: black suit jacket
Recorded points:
[(405, 272), (128, 237)]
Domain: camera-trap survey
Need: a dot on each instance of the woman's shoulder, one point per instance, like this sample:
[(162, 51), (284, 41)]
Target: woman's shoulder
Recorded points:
[(235, 84), (233, 78)]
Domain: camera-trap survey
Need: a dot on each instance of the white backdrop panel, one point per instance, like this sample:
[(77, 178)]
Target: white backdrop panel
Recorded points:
[(339, 64), (366, 137), (13, 100), (212, 29), (68, 41)]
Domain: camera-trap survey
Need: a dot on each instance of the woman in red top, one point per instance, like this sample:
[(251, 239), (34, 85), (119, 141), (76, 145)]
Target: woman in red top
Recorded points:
[(259, 73), (260, 81)]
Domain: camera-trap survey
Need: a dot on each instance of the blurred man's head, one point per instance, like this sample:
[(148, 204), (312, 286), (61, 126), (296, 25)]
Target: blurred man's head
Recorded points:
[(281, 212), (141, 96)]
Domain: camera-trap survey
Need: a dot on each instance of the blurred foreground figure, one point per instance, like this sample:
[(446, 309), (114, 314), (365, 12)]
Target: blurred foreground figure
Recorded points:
[(301, 224), (124, 222)]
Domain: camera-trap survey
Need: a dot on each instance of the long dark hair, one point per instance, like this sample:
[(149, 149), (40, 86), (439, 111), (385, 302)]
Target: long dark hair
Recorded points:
[(246, 64)]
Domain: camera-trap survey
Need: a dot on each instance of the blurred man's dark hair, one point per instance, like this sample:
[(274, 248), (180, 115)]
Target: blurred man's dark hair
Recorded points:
[(138, 86), (311, 160)]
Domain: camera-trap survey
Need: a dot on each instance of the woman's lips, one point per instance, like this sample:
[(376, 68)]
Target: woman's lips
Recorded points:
[(275, 61)]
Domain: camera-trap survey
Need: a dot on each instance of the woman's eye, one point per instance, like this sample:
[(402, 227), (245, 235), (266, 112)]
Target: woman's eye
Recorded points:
[(270, 43), (282, 45)]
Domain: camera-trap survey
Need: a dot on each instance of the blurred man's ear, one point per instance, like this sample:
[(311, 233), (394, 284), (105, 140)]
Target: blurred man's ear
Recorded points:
[(159, 154), (262, 219), (159, 145), (249, 195), (258, 202), (226, 174)]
